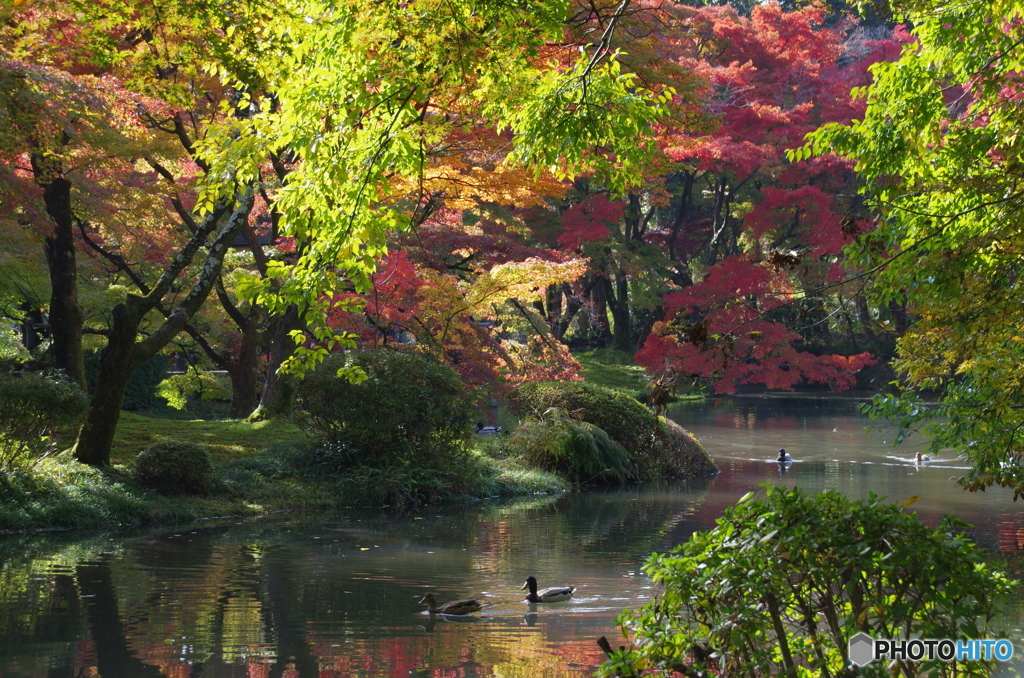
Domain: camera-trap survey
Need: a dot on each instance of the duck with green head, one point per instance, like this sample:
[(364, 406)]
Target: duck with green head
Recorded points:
[(552, 594)]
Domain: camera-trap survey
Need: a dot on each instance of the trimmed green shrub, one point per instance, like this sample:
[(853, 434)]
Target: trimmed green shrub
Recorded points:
[(576, 450), (657, 448), (678, 454), (34, 408), (175, 468), (622, 416), (410, 418), (780, 585)]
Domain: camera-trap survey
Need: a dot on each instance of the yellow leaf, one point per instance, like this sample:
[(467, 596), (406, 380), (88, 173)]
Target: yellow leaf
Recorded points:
[(909, 500)]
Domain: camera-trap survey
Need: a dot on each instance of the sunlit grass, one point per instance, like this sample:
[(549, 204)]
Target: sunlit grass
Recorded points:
[(226, 439), (614, 369)]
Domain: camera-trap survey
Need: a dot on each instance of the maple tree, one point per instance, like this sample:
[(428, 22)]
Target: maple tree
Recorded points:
[(939, 150), (464, 284), (749, 234), (92, 125), (352, 95)]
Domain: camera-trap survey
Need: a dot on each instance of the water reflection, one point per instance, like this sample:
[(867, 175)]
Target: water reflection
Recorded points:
[(337, 596)]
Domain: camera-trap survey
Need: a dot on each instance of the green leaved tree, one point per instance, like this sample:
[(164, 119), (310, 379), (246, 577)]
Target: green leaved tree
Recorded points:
[(942, 156), (322, 108)]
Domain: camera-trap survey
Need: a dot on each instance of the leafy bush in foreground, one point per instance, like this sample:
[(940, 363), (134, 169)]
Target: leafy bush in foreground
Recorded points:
[(33, 407), (657, 448), (175, 468), (781, 584)]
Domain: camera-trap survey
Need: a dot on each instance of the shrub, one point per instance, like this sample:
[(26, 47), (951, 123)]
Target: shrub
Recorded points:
[(175, 468), (178, 389), (34, 409), (657, 448), (676, 453), (624, 418), (781, 584), (410, 417), (578, 451)]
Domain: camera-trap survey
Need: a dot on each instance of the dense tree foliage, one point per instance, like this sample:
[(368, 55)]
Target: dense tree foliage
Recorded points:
[(940, 152), (486, 184), (338, 103), (781, 584)]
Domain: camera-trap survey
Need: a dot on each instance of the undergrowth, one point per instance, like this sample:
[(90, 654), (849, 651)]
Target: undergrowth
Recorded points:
[(61, 494)]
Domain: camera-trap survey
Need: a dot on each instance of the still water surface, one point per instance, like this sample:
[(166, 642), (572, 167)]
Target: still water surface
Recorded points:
[(336, 596)]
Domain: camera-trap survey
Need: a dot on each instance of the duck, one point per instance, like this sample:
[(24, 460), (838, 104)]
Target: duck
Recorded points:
[(551, 594), (482, 430), (455, 607), (921, 457), (783, 457)]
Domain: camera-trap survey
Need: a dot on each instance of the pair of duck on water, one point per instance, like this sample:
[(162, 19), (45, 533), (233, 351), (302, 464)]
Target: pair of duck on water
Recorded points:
[(552, 594), (785, 457)]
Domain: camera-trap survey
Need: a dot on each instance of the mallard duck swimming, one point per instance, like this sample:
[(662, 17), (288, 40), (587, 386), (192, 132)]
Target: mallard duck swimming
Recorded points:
[(482, 430), (783, 457), (552, 594), (454, 607), (921, 457)]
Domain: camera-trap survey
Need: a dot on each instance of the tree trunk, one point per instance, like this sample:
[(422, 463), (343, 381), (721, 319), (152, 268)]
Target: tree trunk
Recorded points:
[(243, 365), (619, 303), (866, 322), (117, 363), (900, 317), (276, 391), (677, 223), (599, 324), (65, 314), (573, 303), (554, 297), (123, 353), (30, 326), (243, 370)]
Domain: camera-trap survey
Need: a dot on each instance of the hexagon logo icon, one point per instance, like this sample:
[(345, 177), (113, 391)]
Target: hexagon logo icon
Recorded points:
[(862, 649)]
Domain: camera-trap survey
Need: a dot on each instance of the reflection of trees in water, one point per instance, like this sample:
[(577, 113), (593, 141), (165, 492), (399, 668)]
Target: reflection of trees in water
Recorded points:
[(774, 412), (574, 530), (270, 594)]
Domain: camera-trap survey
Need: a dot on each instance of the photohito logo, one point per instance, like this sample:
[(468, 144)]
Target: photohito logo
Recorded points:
[(864, 649)]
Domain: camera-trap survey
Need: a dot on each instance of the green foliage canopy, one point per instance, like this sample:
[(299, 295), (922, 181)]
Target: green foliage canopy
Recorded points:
[(940, 150), (358, 92), (781, 584)]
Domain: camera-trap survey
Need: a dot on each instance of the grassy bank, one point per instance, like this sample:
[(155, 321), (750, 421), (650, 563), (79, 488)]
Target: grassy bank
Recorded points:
[(268, 467), (259, 468), (617, 370)]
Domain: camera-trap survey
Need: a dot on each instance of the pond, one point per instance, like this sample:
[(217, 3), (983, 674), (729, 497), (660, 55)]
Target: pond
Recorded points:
[(335, 596)]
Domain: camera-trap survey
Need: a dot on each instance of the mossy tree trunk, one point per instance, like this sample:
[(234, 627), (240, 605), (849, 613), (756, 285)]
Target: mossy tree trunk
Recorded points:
[(243, 371), (123, 352), (275, 398)]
